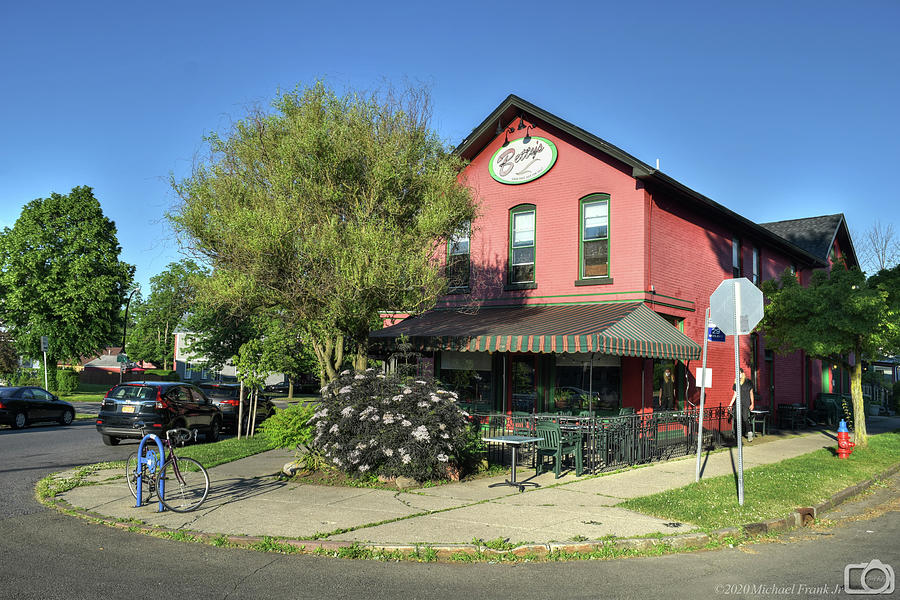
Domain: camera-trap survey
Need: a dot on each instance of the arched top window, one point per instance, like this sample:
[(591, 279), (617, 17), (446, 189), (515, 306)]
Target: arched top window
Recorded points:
[(522, 244), (594, 237)]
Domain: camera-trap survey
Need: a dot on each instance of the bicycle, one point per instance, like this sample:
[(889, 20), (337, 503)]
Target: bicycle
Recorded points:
[(182, 484)]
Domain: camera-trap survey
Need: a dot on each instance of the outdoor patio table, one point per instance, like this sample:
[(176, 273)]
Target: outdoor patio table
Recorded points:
[(514, 442), (758, 416)]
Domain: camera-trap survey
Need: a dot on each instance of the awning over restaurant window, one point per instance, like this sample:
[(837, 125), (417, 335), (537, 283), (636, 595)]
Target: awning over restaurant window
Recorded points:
[(622, 329)]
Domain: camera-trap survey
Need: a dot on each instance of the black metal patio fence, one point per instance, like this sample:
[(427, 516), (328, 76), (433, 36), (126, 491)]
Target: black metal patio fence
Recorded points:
[(611, 443)]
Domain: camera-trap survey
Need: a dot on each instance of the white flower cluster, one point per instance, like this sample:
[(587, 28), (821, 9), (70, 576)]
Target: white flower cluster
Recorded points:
[(406, 423), (443, 457), (359, 376), (420, 433), (345, 390), (348, 410), (388, 418), (404, 456)]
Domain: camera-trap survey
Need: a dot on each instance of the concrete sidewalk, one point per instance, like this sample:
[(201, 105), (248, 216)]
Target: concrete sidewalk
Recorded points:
[(246, 499)]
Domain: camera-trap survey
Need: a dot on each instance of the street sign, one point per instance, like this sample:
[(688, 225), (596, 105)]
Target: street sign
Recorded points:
[(45, 343), (704, 377), (736, 306), (121, 357), (714, 334)]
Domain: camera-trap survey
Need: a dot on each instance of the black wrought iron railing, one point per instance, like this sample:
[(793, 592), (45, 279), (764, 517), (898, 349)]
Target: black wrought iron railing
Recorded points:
[(615, 442)]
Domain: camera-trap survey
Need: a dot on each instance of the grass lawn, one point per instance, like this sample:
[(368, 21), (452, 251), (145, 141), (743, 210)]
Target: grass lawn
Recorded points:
[(226, 451), (88, 392), (771, 491)]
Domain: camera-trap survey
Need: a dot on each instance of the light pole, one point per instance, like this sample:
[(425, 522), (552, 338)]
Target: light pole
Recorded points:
[(125, 331)]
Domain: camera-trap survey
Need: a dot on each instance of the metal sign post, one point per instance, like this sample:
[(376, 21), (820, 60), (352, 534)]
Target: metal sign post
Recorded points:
[(45, 345), (737, 305), (702, 395)]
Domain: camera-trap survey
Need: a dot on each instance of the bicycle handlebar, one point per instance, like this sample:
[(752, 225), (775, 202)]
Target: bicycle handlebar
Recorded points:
[(180, 434)]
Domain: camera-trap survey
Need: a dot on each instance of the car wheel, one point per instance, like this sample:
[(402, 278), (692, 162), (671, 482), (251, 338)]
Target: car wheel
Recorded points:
[(67, 418), (110, 440), (212, 435), (19, 421)]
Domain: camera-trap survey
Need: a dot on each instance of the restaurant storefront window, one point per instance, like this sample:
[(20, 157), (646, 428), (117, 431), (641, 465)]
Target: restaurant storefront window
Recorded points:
[(469, 375), (578, 377)]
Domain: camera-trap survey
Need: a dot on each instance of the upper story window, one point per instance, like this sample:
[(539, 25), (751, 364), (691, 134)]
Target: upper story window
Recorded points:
[(754, 276), (737, 259), (594, 250), (522, 223), (458, 260)]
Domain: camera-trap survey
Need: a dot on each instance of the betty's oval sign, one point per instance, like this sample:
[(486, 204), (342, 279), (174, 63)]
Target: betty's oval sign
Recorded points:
[(521, 161)]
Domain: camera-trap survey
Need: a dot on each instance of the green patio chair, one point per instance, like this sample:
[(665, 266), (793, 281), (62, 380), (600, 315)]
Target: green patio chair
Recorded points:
[(554, 443)]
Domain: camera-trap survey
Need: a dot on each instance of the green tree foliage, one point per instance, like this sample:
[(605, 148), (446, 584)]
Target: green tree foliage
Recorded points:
[(9, 360), (835, 317), (326, 210), (60, 276), (888, 280), (218, 332), (172, 296)]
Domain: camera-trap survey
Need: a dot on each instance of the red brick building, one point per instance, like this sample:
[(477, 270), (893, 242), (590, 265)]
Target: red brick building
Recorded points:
[(587, 272)]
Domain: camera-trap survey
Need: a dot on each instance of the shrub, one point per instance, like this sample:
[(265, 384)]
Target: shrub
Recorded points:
[(27, 377), (66, 381), (369, 423), (289, 427), (164, 375)]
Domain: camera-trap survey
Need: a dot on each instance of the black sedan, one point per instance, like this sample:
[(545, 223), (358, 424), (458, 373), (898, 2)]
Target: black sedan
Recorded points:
[(20, 406)]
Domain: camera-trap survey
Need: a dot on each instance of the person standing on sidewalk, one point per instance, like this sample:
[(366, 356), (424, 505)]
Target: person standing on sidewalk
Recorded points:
[(746, 405)]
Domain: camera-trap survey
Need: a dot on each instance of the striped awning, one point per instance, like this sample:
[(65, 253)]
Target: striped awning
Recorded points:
[(622, 329)]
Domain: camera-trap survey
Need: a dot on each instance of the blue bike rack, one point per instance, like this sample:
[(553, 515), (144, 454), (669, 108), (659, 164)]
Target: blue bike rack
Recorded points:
[(154, 462)]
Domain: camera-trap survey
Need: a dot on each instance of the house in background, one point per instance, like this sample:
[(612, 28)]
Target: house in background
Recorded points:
[(105, 368), (192, 368), (588, 272)]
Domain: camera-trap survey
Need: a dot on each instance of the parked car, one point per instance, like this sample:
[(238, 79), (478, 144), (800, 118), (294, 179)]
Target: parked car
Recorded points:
[(22, 405), (136, 408), (277, 389), (227, 397)]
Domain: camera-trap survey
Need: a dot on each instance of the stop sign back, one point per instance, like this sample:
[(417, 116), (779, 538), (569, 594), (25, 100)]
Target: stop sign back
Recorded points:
[(736, 298)]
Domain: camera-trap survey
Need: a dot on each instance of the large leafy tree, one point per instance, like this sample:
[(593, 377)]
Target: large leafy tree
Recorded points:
[(326, 210), (836, 317), (9, 360), (60, 276), (172, 295)]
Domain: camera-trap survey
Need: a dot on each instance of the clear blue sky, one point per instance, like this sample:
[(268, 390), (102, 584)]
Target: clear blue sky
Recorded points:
[(777, 110)]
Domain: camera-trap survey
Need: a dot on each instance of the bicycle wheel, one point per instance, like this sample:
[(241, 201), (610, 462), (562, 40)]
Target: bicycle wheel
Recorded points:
[(186, 484), (148, 485)]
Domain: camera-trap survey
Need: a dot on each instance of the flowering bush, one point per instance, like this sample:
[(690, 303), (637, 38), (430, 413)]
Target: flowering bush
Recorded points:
[(370, 423)]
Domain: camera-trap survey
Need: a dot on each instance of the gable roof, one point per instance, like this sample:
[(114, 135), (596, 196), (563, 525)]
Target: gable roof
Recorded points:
[(514, 106), (816, 235)]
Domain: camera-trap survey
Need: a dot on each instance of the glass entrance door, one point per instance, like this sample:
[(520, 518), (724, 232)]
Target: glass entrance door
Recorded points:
[(523, 384)]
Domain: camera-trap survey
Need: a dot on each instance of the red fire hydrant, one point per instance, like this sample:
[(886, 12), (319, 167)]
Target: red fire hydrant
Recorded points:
[(845, 446)]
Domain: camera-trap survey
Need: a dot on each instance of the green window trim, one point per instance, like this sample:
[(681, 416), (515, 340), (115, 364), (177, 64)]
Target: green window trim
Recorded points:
[(522, 250), (593, 240), (459, 259)]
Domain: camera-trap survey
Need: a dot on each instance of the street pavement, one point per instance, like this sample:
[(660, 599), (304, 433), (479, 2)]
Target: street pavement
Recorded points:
[(247, 498)]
